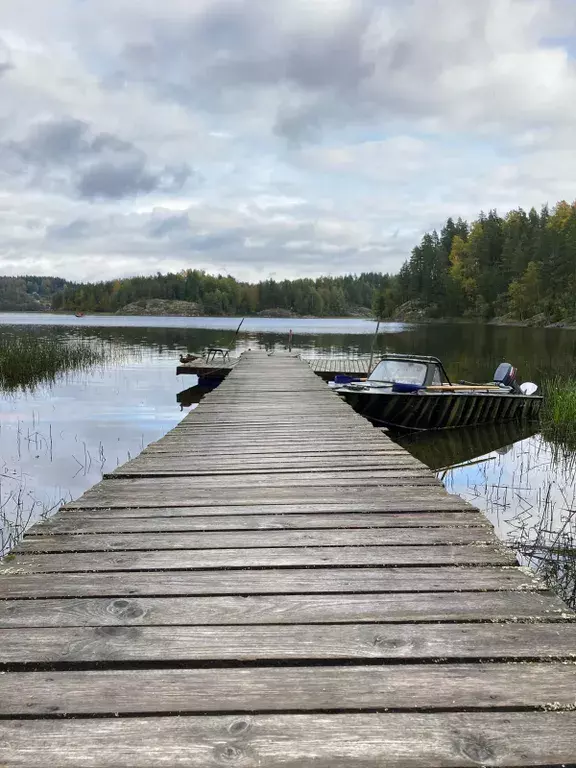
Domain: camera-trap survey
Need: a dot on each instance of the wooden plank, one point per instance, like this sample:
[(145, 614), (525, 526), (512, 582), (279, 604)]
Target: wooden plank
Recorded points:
[(295, 642), (269, 581), (273, 480), (170, 492), (466, 554), (391, 537), (284, 689), (256, 453), (364, 740), (390, 503), (75, 522), (152, 468), (285, 609), (151, 465)]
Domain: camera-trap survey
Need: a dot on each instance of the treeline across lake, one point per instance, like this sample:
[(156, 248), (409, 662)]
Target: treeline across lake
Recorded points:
[(517, 267), (521, 266), (224, 295)]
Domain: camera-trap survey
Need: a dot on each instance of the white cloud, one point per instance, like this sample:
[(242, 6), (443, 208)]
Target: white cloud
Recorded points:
[(324, 135)]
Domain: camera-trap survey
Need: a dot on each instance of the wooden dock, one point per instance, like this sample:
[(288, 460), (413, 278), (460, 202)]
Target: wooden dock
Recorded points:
[(328, 367), (215, 369), (325, 367), (276, 584)]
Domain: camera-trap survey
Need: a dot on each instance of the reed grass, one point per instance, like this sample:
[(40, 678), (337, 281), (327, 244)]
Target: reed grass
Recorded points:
[(28, 360), (558, 415), (560, 401)]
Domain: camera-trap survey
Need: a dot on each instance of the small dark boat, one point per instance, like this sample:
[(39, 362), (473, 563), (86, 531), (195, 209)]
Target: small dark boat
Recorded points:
[(414, 392), (79, 314)]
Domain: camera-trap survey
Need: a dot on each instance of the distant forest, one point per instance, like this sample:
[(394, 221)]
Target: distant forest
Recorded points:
[(224, 295), (29, 294), (518, 267)]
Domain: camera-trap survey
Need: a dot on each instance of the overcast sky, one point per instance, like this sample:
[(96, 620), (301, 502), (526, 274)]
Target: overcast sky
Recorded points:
[(275, 138)]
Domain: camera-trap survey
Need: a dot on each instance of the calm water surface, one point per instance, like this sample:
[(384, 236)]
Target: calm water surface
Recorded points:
[(56, 441)]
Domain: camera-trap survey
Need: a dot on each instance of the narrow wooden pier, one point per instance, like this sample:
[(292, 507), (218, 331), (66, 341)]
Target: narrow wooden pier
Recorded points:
[(276, 584)]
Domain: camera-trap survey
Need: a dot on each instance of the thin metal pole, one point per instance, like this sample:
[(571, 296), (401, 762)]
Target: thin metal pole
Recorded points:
[(237, 331), (372, 350)]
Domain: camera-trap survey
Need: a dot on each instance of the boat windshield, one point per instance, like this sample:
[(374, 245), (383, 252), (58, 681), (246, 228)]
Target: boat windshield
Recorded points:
[(399, 371)]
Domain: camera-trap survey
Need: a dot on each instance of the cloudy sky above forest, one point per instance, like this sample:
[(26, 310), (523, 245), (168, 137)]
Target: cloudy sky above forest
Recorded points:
[(275, 138)]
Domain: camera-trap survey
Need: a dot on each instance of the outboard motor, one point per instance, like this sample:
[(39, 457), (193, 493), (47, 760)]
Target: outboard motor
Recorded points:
[(505, 375)]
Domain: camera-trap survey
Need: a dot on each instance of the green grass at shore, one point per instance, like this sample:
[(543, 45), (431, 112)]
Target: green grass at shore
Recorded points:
[(560, 401), (28, 360)]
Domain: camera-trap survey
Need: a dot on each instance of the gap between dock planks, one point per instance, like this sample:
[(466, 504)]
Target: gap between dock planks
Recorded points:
[(286, 587)]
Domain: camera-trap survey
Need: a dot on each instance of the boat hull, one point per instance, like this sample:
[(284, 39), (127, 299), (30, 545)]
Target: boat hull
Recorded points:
[(416, 411)]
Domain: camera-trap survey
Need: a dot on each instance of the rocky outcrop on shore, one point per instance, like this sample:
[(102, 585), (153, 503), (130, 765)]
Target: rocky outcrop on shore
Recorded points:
[(276, 312), (162, 308), (413, 311)]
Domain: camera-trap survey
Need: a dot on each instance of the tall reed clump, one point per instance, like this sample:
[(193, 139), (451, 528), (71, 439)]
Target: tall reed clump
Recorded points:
[(27, 360), (558, 415), (560, 401)]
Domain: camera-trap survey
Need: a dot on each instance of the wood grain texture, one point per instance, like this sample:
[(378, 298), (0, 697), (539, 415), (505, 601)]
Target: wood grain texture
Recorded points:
[(284, 609), (388, 502), (73, 522), (268, 581), (135, 560), (111, 493), (150, 466), (269, 481), (109, 542), (394, 740), (285, 689), (294, 642)]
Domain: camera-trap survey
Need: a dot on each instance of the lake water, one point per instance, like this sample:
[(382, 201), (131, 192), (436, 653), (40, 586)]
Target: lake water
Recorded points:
[(56, 441)]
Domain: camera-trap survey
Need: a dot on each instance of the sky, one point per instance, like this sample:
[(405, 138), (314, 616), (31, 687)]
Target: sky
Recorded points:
[(273, 138)]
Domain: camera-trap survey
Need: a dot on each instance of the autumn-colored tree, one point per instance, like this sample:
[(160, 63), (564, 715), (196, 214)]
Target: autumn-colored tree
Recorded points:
[(524, 293)]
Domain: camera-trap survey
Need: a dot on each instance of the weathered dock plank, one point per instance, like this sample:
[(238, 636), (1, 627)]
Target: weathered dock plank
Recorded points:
[(340, 537), (394, 740), (287, 609), (268, 557), (77, 523), (270, 581), (286, 587), (281, 689), (73, 646)]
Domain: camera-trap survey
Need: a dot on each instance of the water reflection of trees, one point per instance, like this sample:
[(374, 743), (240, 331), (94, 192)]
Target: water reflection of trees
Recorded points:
[(474, 351)]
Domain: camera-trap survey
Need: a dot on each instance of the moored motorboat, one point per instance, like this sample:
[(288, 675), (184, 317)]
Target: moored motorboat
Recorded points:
[(414, 392)]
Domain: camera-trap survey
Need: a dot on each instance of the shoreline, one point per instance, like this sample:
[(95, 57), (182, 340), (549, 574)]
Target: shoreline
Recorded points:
[(560, 325)]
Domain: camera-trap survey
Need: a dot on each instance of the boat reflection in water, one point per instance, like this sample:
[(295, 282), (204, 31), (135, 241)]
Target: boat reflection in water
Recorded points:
[(445, 449), (523, 484)]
